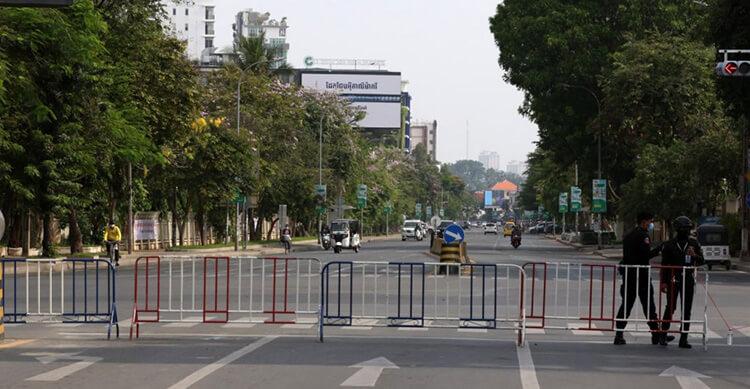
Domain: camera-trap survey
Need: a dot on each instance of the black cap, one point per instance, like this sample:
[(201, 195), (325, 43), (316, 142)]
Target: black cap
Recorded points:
[(644, 215)]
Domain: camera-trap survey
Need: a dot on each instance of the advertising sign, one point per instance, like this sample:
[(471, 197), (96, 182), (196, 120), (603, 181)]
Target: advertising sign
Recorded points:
[(599, 203), (494, 198), (563, 202), (575, 199), (377, 94), (145, 229)]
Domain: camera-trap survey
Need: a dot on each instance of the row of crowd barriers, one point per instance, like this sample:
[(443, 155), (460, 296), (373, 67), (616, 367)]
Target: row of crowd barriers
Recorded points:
[(587, 297), (73, 290), (239, 290)]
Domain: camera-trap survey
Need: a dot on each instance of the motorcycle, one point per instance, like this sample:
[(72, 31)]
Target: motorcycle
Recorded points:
[(326, 241), (515, 240)]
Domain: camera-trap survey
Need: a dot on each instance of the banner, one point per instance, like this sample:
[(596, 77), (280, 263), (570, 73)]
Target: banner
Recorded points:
[(599, 203), (563, 201), (575, 199)]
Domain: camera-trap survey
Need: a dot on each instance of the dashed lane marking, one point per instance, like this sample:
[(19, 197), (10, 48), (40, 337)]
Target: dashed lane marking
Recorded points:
[(297, 326), (238, 325), (473, 330), (526, 368)]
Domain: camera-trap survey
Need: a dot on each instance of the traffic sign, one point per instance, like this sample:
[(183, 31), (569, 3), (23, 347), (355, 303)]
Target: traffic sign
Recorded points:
[(320, 191), (239, 198), (362, 191), (418, 210), (320, 209), (453, 234), (388, 207), (428, 211), (361, 203)]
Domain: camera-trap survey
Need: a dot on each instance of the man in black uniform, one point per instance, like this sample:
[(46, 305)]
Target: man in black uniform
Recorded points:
[(636, 250), (680, 252)]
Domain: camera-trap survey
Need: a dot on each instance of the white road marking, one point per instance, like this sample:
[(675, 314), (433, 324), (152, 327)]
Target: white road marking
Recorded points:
[(356, 328), (535, 331), (208, 369), (574, 328), (62, 372), (413, 328), (181, 325), (364, 322), (474, 330), (297, 326), (238, 325), (369, 372), (526, 368), (687, 379), (64, 325)]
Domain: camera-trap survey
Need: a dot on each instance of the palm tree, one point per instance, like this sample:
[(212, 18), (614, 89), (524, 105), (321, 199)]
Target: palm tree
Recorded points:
[(255, 56)]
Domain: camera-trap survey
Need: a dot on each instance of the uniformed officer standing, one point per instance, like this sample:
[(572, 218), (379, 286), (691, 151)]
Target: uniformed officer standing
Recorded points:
[(636, 250), (680, 252)]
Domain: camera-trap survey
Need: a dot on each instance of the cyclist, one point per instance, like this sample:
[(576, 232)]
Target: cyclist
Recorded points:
[(286, 239), (112, 237)]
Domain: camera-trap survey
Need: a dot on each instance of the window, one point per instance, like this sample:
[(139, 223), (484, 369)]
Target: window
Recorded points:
[(209, 28), (209, 13), (186, 26), (186, 12), (174, 11), (209, 43), (282, 32)]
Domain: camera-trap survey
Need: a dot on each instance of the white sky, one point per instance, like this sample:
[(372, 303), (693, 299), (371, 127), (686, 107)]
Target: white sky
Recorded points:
[(444, 48)]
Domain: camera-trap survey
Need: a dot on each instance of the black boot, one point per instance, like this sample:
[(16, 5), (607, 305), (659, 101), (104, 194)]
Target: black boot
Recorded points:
[(619, 339), (684, 341)]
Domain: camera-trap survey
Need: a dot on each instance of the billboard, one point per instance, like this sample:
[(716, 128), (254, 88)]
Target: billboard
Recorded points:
[(494, 198), (377, 94)]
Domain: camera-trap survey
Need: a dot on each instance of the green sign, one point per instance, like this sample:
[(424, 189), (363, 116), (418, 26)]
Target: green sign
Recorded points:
[(239, 198), (428, 211), (575, 199), (388, 208), (563, 201), (599, 203), (320, 191), (361, 203), (320, 209), (362, 191), (418, 210)]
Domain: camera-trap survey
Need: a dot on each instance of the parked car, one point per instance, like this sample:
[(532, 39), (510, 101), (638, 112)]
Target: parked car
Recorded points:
[(490, 228)]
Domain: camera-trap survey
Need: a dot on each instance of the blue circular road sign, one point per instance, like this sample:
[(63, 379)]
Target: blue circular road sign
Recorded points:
[(453, 234)]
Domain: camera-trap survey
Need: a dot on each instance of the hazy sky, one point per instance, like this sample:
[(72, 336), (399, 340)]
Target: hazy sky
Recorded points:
[(444, 48)]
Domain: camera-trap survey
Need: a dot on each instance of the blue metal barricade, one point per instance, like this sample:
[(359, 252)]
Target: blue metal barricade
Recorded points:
[(76, 290), (411, 320)]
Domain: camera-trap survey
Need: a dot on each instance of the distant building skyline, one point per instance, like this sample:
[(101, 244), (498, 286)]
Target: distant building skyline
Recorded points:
[(490, 160), (193, 23), (425, 133), (516, 167), (250, 23)]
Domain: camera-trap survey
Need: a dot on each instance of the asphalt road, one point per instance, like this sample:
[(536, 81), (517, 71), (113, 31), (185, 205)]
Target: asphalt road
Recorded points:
[(462, 353)]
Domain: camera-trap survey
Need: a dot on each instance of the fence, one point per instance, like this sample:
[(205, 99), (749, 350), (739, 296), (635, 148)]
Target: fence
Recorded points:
[(53, 290), (266, 290), (585, 297), (416, 294)]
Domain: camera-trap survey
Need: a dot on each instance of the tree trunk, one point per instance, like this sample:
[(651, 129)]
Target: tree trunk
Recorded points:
[(200, 220), (75, 237), (270, 230), (48, 250), (15, 228)]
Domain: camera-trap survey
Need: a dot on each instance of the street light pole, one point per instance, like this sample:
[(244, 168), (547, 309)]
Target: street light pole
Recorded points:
[(320, 172)]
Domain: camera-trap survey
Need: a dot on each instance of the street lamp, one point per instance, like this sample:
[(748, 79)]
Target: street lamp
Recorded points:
[(239, 104)]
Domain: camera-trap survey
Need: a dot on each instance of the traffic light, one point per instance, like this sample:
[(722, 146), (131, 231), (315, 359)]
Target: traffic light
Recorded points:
[(733, 68)]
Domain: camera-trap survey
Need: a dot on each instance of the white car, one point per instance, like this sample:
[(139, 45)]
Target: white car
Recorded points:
[(490, 228), (412, 229)]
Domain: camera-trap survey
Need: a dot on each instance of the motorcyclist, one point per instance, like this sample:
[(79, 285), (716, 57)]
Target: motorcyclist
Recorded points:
[(325, 230), (680, 252), (112, 236), (516, 233)]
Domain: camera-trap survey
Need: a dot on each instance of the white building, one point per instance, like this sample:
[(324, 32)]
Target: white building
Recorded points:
[(193, 22), (425, 133), (251, 23), (490, 160), (516, 167)]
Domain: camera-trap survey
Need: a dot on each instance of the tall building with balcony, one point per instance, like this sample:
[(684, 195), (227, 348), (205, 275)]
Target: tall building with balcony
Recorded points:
[(249, 23), (193, 22), (490, 160), (425, 133), (516, 167)]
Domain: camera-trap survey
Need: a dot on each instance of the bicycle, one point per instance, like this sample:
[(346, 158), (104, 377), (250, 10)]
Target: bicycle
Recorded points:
[(113, 249)]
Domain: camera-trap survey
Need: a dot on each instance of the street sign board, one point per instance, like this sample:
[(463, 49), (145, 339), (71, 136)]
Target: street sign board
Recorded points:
[(320, 209), (575, 199), (428, 211), (239, 198), (320, 190), (453, 234), (563, 202), (418, 210), (362, 191), (442, 212), (361, 203), (599, 203)]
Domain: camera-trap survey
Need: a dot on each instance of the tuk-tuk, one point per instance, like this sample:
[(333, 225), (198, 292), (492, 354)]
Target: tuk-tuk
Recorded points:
[(714, 241), (345, 235)]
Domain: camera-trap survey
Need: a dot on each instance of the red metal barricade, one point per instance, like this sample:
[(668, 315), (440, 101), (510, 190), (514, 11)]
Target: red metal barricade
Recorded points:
[(149, 307), (285, 309), (215, 310)]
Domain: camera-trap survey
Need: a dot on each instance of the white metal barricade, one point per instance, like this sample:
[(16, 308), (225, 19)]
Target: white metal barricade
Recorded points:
[(269, 290), (417, 294)]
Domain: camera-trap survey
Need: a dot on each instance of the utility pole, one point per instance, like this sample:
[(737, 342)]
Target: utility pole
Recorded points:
[(131, 233), (576, 222)]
